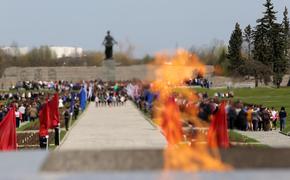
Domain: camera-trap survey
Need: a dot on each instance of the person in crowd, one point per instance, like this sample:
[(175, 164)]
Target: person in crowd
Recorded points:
[(250, 118), (266, 119), (76, 111), (114, 100), (232, 116), (1, 114), (242, 119), (260, 123), (97, 101), (66, 119), (18, 117), (33, 113), (60, 103), (122, 100), (22, 109), (274, 118), (256, 118), (282, 118)]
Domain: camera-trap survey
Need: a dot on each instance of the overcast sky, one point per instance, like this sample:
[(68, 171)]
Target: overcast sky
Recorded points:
[(149, 25)]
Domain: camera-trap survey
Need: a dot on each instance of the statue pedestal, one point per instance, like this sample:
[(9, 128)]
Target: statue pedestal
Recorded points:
[(109, 67)]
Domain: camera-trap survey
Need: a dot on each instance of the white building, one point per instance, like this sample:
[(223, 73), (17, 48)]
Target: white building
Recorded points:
[(62, 51), (15, 51)]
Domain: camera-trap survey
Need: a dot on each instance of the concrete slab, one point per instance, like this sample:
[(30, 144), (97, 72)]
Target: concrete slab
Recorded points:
[(271, 138), (122, 127)]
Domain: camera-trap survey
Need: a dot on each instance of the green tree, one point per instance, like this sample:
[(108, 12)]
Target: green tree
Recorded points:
[(286, 33), (256, 69), (269, 43), (280, 64), (261, 50), (248, 38), (235, 48), (276, 46)]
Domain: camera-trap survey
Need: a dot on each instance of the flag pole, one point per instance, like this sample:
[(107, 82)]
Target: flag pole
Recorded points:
[(47, 145)]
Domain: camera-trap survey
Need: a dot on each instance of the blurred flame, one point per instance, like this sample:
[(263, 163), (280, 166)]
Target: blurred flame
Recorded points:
[(187, 153)]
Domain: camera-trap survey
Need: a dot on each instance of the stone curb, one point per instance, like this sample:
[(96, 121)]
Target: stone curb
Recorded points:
[(286, 134)]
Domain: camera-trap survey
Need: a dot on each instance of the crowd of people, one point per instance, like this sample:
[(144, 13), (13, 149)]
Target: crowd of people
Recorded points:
[(46, 85), (255, 117), (27, 105), (109, 94), (199, 80), (242, 116), (29, 96)]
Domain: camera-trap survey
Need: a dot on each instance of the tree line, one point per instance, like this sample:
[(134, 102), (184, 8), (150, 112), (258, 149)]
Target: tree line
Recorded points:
[(266, 55), (43, 56)]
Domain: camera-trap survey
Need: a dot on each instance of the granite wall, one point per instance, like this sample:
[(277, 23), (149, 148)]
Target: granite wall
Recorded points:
[(14, 74), (144, 72)]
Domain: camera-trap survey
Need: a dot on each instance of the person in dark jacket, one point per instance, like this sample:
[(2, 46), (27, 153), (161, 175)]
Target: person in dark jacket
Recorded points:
[(266, 119), (282, 118), (66, 119), (232, 117), (1, 114), (242, 120), (76, 111)]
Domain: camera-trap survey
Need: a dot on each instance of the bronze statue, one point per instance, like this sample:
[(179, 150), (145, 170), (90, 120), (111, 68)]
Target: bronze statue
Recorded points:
[(109, 42)]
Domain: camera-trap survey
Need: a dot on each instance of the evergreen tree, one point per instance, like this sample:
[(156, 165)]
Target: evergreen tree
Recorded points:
[(261, 50), (269, 43), (269, 14), (263, 36), (280, 64), (234, 49), (286, 33), (248, 38)]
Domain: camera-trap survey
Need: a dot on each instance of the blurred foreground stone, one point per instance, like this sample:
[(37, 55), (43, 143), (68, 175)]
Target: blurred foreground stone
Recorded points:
[(152, 160)]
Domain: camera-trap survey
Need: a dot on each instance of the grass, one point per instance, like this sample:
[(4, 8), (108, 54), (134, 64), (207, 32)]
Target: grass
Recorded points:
[(29, 125), (52, 146), (269, 97), (237, 137), (62, 134)]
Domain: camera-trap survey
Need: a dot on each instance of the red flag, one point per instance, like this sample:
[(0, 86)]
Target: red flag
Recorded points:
[(218, 131), (54, 113), (8, 139), (44, 119)]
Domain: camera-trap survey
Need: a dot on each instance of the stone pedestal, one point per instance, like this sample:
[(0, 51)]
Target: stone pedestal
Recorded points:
[(109, 68)]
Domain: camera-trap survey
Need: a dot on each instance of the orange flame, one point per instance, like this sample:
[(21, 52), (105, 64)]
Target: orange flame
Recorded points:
[(184, 152)]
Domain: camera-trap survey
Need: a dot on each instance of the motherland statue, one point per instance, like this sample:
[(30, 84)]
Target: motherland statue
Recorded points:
[(109, 42)]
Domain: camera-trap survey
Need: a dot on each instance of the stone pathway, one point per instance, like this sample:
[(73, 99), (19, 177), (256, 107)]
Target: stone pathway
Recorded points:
[(270, 138), (121, 127)]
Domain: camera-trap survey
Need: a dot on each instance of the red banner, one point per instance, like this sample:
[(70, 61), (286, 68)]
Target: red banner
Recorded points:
[(44, 119), (218, 131), (54, 113), (8, 139)]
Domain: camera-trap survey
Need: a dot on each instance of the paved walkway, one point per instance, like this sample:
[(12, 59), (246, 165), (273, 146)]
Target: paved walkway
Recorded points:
[(270, 138), (121, 127)]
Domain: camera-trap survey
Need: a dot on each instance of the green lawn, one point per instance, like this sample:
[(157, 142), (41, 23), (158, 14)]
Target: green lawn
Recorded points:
[(270, 97), (237, 137), (29, 126)]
